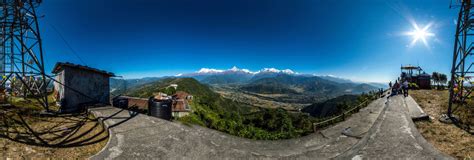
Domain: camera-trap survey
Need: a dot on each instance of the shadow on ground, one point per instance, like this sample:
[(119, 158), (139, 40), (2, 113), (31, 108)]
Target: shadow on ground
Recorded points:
[(55, 131), (50, 131), (25, 133)]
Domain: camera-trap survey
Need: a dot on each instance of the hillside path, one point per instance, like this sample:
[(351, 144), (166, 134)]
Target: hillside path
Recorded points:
[(379, 130)]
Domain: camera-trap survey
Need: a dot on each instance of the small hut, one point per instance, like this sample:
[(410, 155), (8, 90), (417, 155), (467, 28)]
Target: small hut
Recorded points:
[(80, 86)]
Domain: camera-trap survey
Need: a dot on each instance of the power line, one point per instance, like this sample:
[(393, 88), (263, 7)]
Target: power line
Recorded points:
[(67, 44)]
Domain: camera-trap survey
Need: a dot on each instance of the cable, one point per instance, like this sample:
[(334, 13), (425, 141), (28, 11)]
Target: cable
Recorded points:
[(67, 44)]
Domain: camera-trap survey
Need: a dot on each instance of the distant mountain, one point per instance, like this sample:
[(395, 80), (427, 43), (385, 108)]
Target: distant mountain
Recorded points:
[(336, 79), (266, 81), (298, 84), (378, 85), (120, 86), (234, 75), (271, 72), (303, 89), (215, 76), (343, 80), (305, 85), (330, 107), (231, 76), (364, 87), (227, 79)]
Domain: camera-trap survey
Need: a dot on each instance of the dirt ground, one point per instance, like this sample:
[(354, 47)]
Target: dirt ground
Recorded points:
[(25, 134), (445, 137)]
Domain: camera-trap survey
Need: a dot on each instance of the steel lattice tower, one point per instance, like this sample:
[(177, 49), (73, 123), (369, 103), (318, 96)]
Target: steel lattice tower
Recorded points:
[(21, 53), (460, 108)]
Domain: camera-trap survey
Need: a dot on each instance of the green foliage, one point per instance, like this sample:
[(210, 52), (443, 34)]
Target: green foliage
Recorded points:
[(168, 90), (333, 106), (413, 86), (266, 124)]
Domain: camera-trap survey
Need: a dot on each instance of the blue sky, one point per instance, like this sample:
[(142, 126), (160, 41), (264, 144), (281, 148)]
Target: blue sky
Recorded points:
[(361, 40)]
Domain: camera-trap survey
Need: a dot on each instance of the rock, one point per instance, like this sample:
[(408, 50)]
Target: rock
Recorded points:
[(445, 118), (347, 131)]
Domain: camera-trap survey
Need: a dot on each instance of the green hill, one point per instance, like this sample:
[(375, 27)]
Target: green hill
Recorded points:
[(189, 85)]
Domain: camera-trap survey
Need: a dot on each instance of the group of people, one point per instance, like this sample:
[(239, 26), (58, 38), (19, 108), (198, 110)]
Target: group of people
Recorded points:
[(399, 88)]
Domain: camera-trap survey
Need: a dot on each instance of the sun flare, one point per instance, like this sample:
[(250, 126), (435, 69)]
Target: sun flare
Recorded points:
[(420, 34)]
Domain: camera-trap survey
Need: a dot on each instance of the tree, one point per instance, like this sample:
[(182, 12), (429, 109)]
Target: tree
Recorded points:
[(436, 78), (439, 79), (443, 79)]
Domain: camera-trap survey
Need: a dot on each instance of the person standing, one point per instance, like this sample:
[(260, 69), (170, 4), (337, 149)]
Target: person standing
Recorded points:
[(390, 84), (405, 88), (400, 87)]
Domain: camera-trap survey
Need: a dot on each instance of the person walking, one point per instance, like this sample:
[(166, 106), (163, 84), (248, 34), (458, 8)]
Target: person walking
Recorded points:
[(395, 89), (405, 88)]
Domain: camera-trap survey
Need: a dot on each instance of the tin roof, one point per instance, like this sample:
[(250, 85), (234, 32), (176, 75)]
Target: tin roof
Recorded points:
[(58, 67), (180, 95)]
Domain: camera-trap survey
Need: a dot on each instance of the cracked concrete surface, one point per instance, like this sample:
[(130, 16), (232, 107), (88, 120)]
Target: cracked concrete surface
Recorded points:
[(395, 137), (377, 131)]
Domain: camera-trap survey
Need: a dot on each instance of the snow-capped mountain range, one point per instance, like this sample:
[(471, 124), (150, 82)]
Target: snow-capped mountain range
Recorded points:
[(242, 77), (234, 75), (212, 71)]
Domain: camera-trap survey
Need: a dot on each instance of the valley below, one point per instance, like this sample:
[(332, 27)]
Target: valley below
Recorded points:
[(272, 101)]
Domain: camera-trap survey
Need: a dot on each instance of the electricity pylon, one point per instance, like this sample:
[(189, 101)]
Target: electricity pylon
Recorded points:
[(21, 52), (460, 109)]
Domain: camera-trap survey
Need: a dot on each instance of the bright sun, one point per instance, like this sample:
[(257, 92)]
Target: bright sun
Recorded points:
[(420, 34)]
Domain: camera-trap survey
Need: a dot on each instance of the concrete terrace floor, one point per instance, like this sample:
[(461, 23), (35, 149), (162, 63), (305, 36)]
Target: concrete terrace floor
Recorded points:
[(381, 130)]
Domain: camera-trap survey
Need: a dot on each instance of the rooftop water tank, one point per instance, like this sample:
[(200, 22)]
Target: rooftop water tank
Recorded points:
[(159, 108)]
